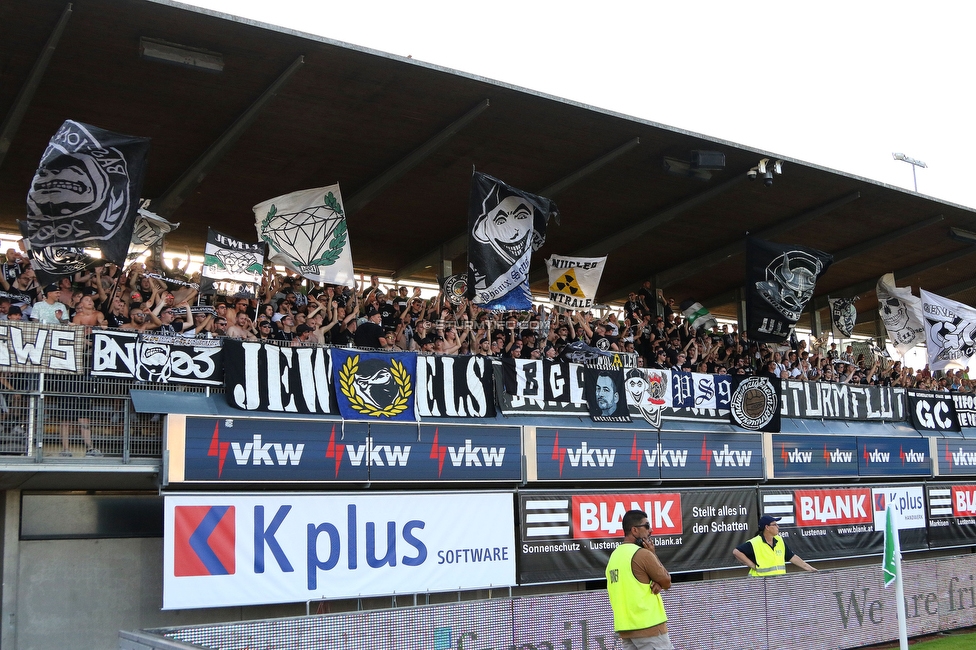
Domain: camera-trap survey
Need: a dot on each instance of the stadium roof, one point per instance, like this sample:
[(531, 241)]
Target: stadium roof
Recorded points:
[(243, 112)]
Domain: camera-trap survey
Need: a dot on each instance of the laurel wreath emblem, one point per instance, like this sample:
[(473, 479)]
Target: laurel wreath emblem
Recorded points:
[(347, 374)]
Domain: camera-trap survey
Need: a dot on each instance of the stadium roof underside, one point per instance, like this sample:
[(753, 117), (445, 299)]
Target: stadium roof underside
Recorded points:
[(249, 112)]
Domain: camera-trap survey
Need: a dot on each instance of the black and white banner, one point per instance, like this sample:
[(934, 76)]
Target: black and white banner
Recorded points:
[(935, 412), (157, 359), (901, 313), (231, 267), (755, 403), (950, 331), (605, 395), (648, 391), (85, 192), (35, 348), (149, 231), (843, 317), (543, 380), (454, 387), (261, 377), (965, 409), (829, 401), (780, 280), (505, 225)]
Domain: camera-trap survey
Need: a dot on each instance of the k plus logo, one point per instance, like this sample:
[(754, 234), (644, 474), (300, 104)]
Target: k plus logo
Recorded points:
[(724, 457), (466, 456), (204, 541), (831, 507), (599, 516)]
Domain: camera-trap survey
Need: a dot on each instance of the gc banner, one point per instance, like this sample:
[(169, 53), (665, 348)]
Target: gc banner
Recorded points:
[(933, 412), (569, 535), (35, 348), (225, 550), (830, 522), (154, 358)]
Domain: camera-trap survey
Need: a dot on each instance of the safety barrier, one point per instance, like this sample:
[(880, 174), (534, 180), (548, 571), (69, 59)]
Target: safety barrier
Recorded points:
[(841, 608)]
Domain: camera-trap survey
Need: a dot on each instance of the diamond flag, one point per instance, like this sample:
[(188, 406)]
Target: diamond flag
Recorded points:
[(306, 231)]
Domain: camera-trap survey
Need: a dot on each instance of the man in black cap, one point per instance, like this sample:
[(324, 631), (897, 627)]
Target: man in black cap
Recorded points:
[(766, 554), (371, 334), (50, 311)]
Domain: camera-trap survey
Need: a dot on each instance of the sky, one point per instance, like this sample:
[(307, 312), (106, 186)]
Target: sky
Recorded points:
[(842, 85)]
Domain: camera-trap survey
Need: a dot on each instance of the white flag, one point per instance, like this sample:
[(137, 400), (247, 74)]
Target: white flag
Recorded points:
[(306, 231), (901, 313), (950, 331), (573, 281)]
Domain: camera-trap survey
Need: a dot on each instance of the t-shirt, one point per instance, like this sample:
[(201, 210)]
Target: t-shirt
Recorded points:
[(42, 312), (368, 335)]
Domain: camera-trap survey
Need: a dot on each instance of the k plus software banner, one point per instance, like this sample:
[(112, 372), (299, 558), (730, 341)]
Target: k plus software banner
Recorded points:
[(685, 455), (952, 514), (893, 456), (933, 412), (956, 457), (822, 523), (224, 550), (568, 535), (814, 456), (829, 401)]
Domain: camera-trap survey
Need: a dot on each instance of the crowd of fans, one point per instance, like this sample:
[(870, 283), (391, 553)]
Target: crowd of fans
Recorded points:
[(290, 310)]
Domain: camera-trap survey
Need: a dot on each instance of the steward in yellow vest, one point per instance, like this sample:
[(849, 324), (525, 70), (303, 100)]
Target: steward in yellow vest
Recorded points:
[(635, 579), (766, 554)]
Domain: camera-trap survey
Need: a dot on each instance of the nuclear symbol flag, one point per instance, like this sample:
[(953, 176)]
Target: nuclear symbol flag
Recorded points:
[(573, 281), (306, 231)]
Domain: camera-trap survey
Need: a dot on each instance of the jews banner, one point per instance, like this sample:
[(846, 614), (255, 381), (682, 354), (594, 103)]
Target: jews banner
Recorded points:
[(262, 377), (449, 386), (35, 348), (375, 385), (820, 523), (829, 401), (569, 535), (952, 514), (158, 359)]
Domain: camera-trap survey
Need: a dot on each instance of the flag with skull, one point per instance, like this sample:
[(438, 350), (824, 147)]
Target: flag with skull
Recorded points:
[(231, 267), (901, 313), (306, 231), (85, 193), (505, 225), (780, 279), (843, 316)]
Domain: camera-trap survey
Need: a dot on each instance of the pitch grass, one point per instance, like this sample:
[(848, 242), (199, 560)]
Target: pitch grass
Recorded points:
[(960, 642)]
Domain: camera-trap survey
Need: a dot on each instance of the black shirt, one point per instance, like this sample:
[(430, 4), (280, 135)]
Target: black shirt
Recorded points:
[(368, 335)]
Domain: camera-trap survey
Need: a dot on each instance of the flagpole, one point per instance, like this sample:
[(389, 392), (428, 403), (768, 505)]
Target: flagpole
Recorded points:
[(892, 555)]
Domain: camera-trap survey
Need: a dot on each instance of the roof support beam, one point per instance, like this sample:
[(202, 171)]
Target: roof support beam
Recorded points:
[(173, 197), (11, 123), (376, 186), (863, 247), (684, 270), (456, 245)]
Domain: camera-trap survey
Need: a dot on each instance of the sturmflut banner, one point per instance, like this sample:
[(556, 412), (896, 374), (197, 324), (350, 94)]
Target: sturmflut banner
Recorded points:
[(158, 359), (224, 550), (35, 348)]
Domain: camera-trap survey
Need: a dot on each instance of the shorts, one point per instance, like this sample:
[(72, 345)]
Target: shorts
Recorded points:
[(659, 642)]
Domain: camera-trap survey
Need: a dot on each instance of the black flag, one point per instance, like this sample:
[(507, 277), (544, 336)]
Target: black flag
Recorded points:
[(85, 193), (505, 225), (755, 403), (780, 280)]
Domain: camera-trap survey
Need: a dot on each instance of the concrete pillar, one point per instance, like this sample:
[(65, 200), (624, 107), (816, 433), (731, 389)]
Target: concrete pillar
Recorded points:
[(11, 568)]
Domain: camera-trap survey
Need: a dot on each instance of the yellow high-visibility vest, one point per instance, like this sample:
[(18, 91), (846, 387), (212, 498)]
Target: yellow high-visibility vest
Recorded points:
[(635, 606), (769, 561)]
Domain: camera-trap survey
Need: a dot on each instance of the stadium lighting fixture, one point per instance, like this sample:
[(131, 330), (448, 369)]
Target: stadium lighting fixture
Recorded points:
[(182, 55), (911, 161)]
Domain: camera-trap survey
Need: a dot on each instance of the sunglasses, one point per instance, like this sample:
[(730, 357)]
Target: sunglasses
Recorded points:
[(647, 526), (265, 325)]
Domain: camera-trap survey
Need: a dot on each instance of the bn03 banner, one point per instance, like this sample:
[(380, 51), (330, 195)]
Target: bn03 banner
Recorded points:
[(569, 535), (159, 359)]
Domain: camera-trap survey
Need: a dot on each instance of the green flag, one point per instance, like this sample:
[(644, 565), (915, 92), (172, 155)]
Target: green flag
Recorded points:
[(890, 563)]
